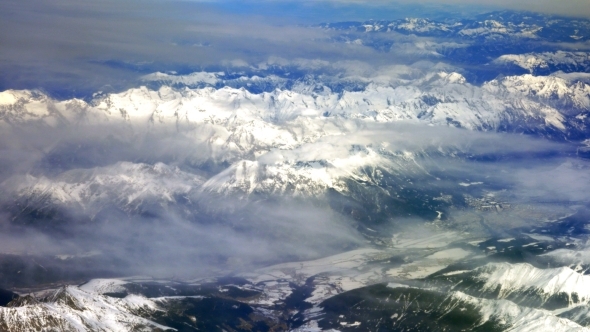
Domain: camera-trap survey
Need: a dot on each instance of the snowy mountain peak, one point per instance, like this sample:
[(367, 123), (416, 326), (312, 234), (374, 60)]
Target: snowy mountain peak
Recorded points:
[(512, 278), (73, 309)]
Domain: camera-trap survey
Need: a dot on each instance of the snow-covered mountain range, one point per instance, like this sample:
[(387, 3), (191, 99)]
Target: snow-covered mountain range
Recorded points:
[(488, 26), (319, 292), (537, 103), (73, 309), (548, 62), (304, 142)]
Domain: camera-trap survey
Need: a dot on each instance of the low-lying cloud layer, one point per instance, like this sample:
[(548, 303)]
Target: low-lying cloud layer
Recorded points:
[(152, 202), (302, 140)]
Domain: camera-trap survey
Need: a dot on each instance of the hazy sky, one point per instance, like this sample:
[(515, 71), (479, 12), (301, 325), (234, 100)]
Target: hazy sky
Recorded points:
[(73, 48), (565, 7)]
